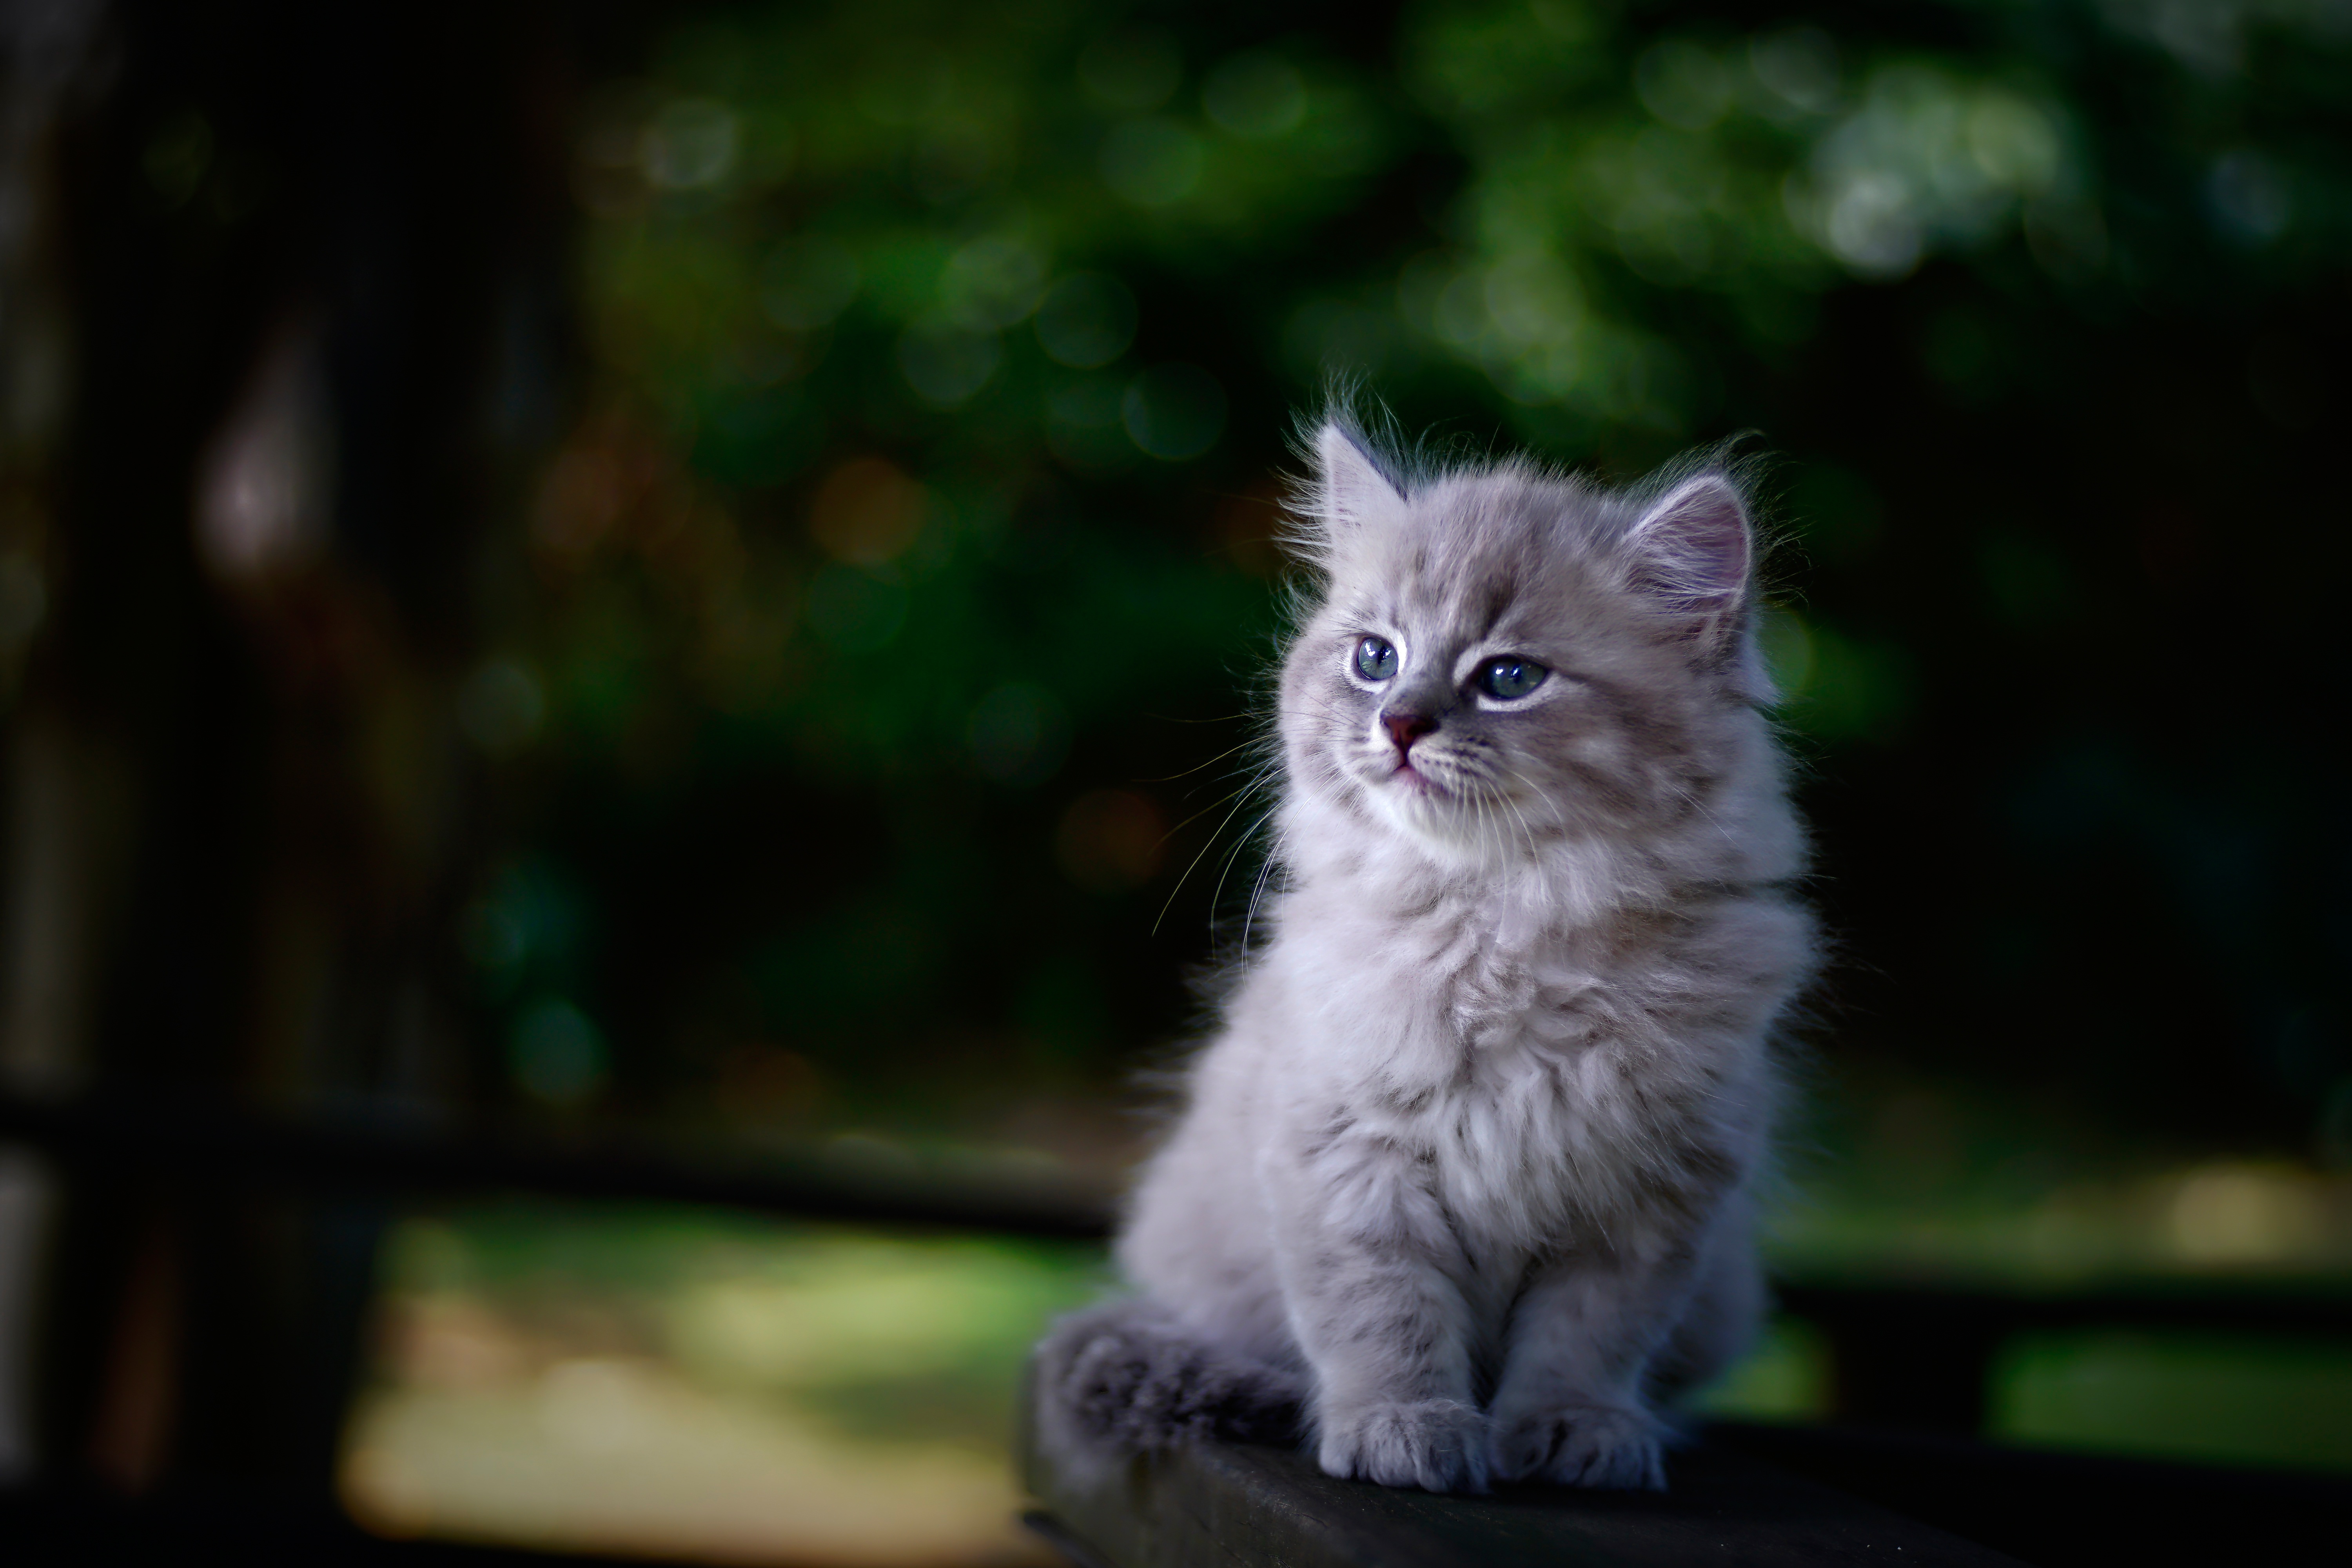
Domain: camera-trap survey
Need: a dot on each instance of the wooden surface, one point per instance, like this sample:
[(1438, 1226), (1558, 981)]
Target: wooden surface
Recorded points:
[(1270, 1508)]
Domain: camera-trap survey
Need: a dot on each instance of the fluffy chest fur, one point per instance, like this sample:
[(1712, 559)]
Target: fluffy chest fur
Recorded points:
[(1517, 1082)]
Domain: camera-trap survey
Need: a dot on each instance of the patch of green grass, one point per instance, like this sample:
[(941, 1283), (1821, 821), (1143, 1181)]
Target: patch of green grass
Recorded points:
[(882, 1334)]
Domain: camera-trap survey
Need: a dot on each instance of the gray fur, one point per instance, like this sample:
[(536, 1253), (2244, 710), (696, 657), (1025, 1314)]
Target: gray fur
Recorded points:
[(1472, 1166)]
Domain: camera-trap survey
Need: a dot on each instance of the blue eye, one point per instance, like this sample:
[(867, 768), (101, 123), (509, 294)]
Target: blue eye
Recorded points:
[(1375, 660), (1510, 679)]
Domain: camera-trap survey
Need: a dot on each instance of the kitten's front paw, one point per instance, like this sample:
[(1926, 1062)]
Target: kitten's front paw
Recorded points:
[(1583, 1446), (1437, 1444)]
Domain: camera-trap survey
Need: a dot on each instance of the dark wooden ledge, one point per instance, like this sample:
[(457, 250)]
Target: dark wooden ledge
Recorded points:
[(1220, 1507)]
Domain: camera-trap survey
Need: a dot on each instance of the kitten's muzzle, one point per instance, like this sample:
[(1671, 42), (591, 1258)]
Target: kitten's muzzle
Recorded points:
[(1405, 725)]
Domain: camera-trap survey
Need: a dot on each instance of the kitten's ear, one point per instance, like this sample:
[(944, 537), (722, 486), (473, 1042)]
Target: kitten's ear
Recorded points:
[(1350, 483), (1692, 554)]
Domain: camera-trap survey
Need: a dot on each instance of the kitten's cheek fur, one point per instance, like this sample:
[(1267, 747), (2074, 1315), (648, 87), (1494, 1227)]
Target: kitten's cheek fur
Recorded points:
[(1583, 1446), (1437, 1444)]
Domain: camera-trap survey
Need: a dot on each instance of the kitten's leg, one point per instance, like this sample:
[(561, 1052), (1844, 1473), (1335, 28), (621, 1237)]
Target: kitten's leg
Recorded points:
[(1717, 1327), (1570, 1405), (1125, 1377), (1383, 1325)]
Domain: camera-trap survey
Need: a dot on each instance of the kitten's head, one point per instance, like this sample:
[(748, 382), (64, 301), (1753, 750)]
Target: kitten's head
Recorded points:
[(1504, 658)]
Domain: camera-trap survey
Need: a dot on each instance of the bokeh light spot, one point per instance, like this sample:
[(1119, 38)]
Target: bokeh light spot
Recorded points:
[(866, 511), (558, 1055), (992, 283), (2249, 198), (2012, 142), (1088, 319), (1874, 225), (690, 144), (1175, 411), (266, 487), (1153, 163), (1798, 66), (946, 363), (806, 282)]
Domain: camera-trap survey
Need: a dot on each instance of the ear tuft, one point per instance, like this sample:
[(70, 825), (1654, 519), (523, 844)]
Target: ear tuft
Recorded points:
[(1692, 552), (1351, 483)]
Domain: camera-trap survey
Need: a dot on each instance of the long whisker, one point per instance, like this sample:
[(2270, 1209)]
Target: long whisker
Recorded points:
[(1248, 783), (1558, 819), (1258, 893), (1250, 745), (1244, 794), (1527, 831), (1231, 855), (1226, 866), (1510, 801)]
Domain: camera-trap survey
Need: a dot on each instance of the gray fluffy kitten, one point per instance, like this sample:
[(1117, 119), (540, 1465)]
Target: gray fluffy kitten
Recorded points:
[(1464, 1188)]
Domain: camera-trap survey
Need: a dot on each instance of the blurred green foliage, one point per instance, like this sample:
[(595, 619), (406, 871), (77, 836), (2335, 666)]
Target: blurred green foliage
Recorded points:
[(911, 545), (2209, 1397)]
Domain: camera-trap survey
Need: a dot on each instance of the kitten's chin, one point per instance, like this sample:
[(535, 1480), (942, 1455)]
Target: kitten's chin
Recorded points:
[(1445, 824)]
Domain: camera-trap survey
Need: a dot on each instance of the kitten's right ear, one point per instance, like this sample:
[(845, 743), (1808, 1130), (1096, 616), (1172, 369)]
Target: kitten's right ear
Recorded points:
[(1351, 485)]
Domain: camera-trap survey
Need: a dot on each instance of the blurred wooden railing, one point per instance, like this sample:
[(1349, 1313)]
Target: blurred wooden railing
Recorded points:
[(200, 1147), (1908, 1365)]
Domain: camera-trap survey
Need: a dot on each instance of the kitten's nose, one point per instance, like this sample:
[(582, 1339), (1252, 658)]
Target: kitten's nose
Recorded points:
[(1405, 726)]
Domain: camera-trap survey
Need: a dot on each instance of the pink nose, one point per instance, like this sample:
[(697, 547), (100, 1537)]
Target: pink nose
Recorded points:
[(1406, 727)]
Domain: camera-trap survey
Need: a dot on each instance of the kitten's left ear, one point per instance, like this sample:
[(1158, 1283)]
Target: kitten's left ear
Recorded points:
[(1692, 552)]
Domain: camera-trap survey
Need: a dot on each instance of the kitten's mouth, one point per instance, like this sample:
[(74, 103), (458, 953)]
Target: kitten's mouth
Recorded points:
[(1413, 778)]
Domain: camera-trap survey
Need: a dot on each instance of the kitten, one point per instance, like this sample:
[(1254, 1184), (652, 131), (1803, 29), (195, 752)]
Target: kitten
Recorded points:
[(1464, 1187)]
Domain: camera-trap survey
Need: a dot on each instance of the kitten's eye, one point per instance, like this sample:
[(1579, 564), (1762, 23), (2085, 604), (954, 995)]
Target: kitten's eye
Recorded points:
[(1510, 679), (1375, 660)]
